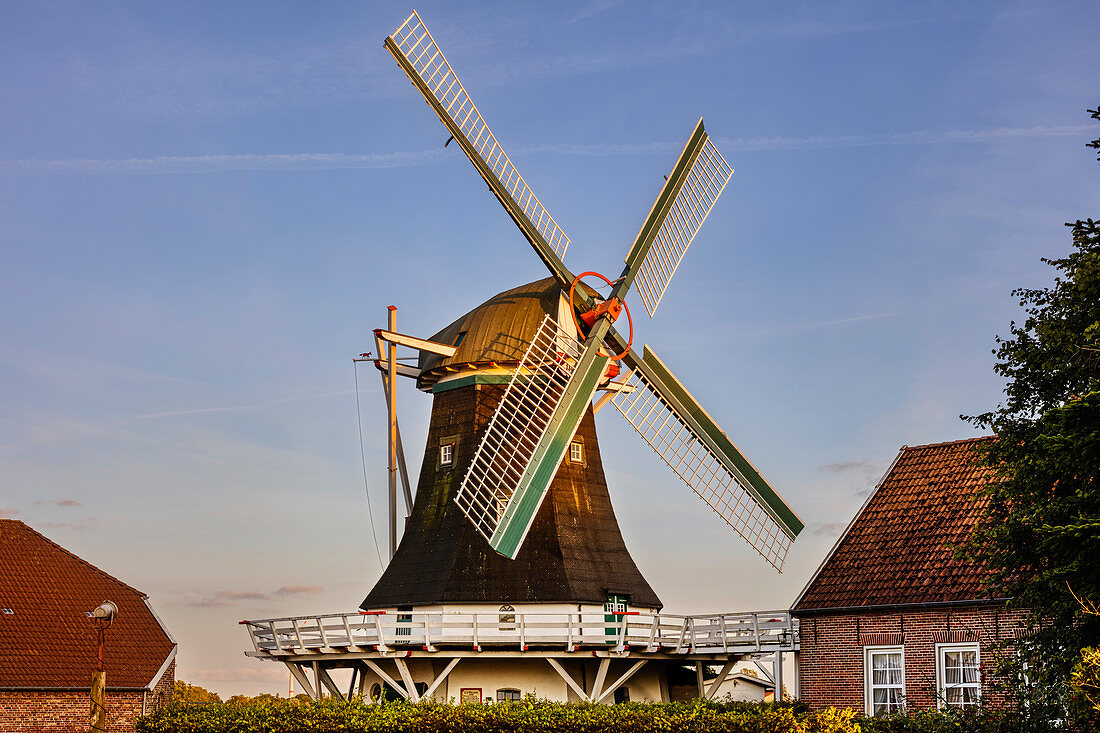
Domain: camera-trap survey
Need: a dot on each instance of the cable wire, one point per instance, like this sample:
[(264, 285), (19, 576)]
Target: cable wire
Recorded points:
[(363, 462)]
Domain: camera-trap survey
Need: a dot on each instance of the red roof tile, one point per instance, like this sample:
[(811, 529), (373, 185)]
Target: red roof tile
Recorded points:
[(899, 548), (47, 640)]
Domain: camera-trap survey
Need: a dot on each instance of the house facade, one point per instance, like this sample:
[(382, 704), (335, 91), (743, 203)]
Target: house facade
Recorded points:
[(48, 642), (892, 619)]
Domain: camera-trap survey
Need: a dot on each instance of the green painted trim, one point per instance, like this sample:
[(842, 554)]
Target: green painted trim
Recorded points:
[(642, 243), (550, 450), (471, 379), (670, 388), (542, 248)]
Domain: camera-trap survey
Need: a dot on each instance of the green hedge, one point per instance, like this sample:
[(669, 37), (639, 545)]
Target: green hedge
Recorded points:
[(534, 716)]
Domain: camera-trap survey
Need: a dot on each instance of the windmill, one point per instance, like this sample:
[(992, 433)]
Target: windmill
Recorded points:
[(558, 374), (511, 560)]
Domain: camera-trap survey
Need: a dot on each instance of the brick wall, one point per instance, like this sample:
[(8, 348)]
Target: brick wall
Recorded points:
[(66, 711), (831, 662)]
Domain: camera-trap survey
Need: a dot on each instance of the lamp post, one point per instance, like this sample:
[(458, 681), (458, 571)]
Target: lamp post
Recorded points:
[(102, 616)]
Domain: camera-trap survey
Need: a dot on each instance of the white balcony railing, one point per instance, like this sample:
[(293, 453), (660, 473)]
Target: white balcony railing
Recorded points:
[(741, 633)]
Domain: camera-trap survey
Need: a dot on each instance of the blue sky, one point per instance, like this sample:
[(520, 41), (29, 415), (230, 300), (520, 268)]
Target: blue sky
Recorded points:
[(205, 208)]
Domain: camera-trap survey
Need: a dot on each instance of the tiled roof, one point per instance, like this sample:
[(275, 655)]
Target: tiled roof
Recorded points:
[(47, 640), (899, 548)]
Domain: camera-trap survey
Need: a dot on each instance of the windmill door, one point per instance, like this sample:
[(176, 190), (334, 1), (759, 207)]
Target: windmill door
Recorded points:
[(613, 614)]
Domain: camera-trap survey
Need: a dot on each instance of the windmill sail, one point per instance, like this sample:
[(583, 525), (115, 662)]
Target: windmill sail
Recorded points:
[(682, 207), (422, 60), (528, 435), (667, 417)]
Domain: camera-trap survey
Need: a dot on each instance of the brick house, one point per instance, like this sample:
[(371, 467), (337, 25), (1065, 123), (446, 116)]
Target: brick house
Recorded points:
[(892, 618), (48, 641)]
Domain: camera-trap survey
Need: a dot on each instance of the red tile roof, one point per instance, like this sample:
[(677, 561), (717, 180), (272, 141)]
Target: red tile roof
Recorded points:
[(47, 640), (899, 548)]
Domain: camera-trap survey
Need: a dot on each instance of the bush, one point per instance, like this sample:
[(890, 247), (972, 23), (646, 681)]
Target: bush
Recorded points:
[(273, 715)]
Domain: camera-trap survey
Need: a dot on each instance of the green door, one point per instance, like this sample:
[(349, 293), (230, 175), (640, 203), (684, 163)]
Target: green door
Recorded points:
[(615, 606)]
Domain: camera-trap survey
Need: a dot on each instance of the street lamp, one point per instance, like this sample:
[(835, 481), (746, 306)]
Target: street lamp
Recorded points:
[(102, 616)]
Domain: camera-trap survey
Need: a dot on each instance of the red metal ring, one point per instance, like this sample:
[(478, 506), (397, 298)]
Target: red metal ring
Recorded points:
[(573, 312)]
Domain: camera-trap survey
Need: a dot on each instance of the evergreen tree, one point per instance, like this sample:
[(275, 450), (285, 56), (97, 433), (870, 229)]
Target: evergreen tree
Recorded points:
[(1040, 535)]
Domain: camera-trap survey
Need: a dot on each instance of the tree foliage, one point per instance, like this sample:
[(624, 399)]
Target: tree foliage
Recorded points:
[(1040, 535), (193, 693)]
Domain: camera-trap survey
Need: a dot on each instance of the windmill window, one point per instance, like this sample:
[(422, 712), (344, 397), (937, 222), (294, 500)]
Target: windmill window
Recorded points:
[(459, 338), (884, 679), (508, 694), (446, 454), (507, 618), (959, 675), (8, 612), (576, 452)]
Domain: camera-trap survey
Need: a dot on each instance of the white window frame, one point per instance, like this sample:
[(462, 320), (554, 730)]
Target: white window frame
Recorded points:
[(576, 451), (446, 454), (941, 673), (868, 676)]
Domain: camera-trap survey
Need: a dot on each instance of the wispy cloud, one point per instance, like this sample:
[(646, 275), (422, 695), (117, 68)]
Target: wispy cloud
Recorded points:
[(827, 528), (61, 502), (8, 513), (299, 590), (595, 8), (79, 526), (369, 161), (220, 598), (848, 467)]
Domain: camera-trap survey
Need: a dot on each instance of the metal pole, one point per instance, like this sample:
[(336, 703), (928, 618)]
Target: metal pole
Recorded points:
[(392, 389)]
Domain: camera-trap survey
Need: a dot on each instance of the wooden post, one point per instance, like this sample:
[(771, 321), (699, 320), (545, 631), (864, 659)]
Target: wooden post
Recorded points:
[(391, 324), (97, 717)]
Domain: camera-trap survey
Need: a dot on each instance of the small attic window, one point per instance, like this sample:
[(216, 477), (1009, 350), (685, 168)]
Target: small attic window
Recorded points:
[(576, 452), (446, 454), (459, 338), (7, 611)]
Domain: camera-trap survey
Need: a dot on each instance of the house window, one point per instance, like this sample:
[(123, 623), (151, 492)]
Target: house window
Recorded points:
[(958, 674), (576, 452), (884, 679), (446, 454), (508, 694)]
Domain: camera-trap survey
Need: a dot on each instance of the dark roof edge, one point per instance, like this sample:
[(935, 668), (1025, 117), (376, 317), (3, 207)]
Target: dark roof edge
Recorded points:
[(844, 534), (37, 688), (899, 606)]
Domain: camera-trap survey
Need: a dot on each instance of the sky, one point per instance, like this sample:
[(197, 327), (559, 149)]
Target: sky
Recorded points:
[(205, 209)]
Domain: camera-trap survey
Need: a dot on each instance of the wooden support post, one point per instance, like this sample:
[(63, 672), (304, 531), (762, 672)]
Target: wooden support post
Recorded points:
[(442, 676), (326, 680), (699, 679), (303, 680), (726, 669), (621, 681), (398, 687), (406, 677), (569, 679), (601, 675), (796, 683), (778, 676), (392, 391)]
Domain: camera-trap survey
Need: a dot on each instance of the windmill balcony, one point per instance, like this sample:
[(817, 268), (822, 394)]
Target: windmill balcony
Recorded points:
[(639, 632)]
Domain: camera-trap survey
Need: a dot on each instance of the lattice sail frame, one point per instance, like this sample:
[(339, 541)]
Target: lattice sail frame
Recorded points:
[(660, 425), (516, 427), (418, 47), (709, 174)]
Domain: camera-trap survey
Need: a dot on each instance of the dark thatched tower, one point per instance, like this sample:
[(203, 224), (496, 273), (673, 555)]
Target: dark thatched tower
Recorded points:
[(574, 553)]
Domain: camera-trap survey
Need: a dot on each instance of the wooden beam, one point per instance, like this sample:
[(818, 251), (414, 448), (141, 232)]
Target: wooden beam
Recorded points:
[(416, 343), (442, 676), (699, 678), (568, 679), (601, 675), (726, 669), (327, 681), (302, 680), (403, 668), (398, 687), (619, 682)]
